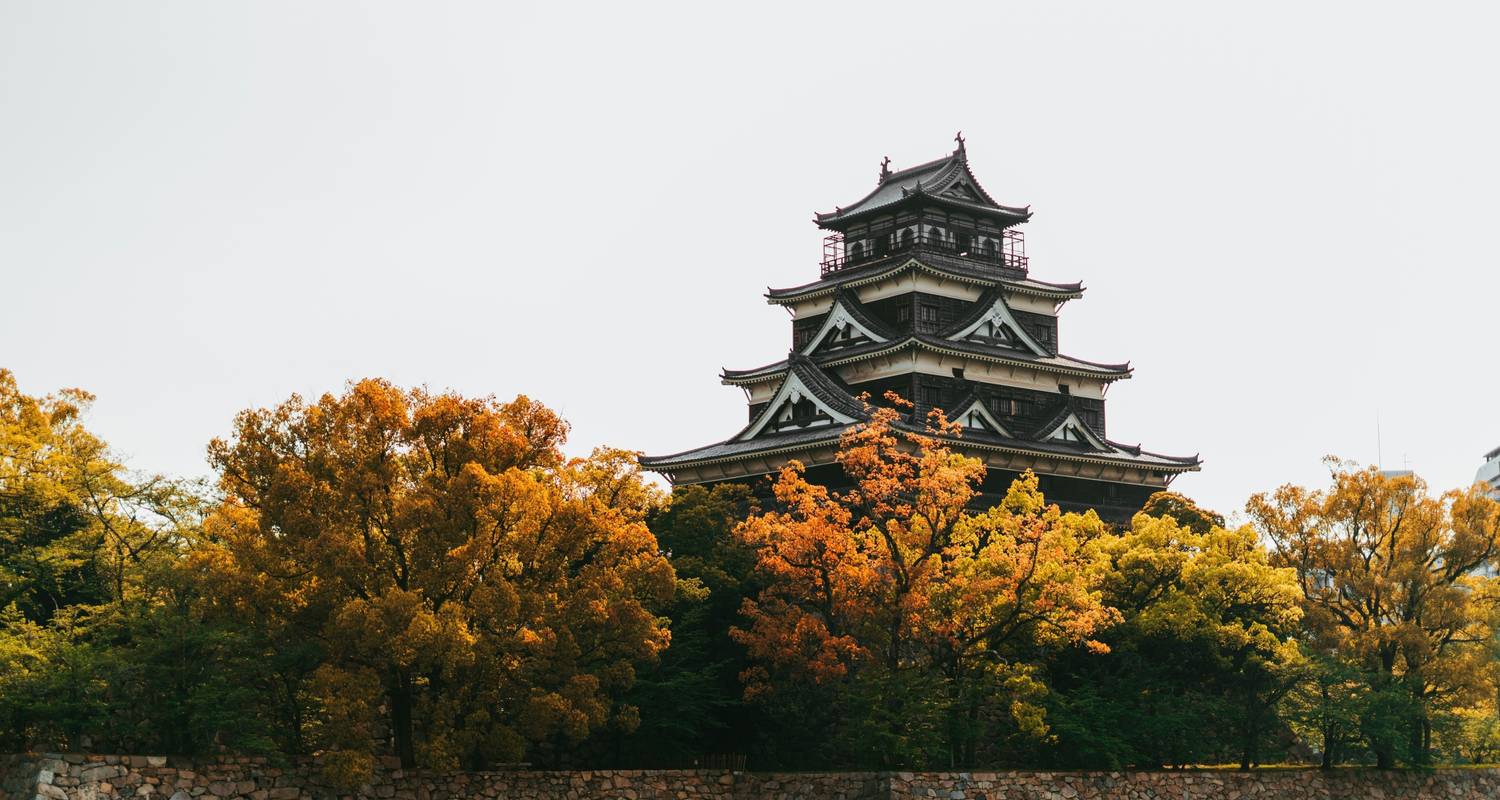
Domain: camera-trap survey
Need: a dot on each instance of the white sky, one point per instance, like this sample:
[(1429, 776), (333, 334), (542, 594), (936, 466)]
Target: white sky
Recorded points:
[(1285, 218)]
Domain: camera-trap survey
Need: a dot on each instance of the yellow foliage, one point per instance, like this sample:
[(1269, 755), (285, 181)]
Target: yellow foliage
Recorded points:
[(443, 550)]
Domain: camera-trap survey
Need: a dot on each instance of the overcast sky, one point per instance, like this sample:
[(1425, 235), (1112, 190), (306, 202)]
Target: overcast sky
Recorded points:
[(1285, 218)]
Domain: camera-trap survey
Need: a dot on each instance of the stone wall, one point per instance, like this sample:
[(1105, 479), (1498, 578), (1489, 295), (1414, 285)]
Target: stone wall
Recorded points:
[(97, 777)]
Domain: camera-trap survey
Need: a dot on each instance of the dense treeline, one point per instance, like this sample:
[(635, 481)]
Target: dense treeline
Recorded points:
[(429, 574)]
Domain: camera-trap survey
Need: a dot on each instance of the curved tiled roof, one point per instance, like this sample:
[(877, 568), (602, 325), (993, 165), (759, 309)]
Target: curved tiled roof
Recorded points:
[(1061, 364), (791, 442), (856, 309), (936, 180), (824, 387), (934, 263)]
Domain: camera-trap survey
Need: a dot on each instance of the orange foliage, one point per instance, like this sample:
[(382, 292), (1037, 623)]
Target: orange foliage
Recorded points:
[(899, 573), (500, 593)]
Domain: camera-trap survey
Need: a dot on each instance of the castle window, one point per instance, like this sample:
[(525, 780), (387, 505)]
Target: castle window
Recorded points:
[(1005, 406), (856, 251), (929, 313), (935, 235), (906, 237), (990, 251), (1063, 388), (903, 313), (932, 395)]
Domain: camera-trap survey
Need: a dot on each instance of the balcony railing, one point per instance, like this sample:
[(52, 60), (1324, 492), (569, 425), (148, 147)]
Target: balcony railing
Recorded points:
[(1006, 250)]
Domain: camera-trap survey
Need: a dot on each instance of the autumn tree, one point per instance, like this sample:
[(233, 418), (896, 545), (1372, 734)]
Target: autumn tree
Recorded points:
[(897, 595), (1393, 583), (1207, 644), (99, 640), (450, 565), (75, 526)]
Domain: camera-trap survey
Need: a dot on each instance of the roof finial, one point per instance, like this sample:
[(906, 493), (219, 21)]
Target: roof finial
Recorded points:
[(885, 169), (959, 137)]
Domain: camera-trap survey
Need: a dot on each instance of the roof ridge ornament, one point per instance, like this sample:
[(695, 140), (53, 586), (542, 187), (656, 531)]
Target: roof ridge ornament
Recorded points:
[(885, 169), (961, 152)]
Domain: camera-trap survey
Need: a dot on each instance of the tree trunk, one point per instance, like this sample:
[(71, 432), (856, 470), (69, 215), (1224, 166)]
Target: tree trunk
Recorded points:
[(1328, 729), (1327, 744), (401, 707), (1385, 748)]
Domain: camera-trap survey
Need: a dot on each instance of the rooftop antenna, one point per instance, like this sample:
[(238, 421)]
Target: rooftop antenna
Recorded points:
[(1379, 458)]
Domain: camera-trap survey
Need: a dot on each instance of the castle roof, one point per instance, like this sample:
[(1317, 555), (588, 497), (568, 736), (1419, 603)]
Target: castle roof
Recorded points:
[(934, 263), (1058, 364), (832, 393), (946, 181)]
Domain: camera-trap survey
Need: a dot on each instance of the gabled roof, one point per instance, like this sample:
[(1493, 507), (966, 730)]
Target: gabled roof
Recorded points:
[(847, 310), (991, 307), (946, 181), (972, 406), (804, 379), (934, 263), (1067, 420)]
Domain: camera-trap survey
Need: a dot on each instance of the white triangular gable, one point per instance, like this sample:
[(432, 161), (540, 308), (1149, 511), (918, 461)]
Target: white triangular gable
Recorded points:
[(1000, 318), (1072, 429), (839, 318), (792, 390), (977, 415)]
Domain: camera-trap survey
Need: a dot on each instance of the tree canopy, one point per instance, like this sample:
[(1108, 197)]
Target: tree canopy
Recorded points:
[(450, 564), (388, 571)]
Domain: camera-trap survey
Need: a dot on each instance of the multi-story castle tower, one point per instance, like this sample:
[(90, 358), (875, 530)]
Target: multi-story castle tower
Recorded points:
[(925, 291)]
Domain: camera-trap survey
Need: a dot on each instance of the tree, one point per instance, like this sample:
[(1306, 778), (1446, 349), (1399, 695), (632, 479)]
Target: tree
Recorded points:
[(913, 614), (1390, 582), (74, 526), (689, 701), (1205, 650), (1184, 511), (449, 563), (85, 551)]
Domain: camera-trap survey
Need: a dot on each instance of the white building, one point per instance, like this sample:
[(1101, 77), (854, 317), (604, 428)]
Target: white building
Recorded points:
[(1490, 472)]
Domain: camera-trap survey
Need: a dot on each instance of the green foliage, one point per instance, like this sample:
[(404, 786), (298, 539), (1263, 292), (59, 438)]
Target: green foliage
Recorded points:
[(139, 614), (1205, 651), (689, 701)]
